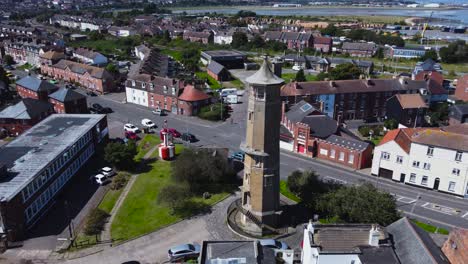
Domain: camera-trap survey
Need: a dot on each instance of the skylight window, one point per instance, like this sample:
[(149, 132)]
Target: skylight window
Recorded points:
[(306, 107)]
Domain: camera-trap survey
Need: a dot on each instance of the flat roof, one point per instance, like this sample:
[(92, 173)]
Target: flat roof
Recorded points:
[(243, 251), (28, 154), (222, 53)]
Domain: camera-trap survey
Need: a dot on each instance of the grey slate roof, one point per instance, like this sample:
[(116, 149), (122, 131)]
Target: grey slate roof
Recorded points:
[(359, 46), (215, 67), (348, 143), (459, 112), (321, 126), (414, 245), (264, 76), (66, 95), (27, 155), (380, 255), (35, 84), (249, 252), (300, 110), (28, 108)]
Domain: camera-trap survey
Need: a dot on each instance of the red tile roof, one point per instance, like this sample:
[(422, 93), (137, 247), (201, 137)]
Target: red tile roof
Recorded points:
[(410, 101), (433, 75), (402, 136), (192, 94), (322, 40)]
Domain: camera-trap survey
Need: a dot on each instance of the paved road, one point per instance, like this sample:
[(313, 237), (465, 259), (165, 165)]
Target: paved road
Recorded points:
[(438, 208)]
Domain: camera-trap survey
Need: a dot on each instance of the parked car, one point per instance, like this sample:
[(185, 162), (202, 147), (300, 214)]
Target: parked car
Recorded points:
[(159, 112), (97, 107), (188, 137), (174, 132), (184, 252), (91, 93), (131, 135), (131, 128), (148, 123), (100, 179), (238, 155), (272, 243), (107, 171)]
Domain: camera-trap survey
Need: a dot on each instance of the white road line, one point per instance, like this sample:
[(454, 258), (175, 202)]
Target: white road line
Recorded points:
[(426, 204), (463, 216)]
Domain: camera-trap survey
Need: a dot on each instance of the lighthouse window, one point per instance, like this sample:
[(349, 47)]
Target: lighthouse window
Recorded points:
[(260, 95), (258, 162)]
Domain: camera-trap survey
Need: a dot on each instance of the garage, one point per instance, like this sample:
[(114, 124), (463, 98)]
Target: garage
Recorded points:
[(384, 173)]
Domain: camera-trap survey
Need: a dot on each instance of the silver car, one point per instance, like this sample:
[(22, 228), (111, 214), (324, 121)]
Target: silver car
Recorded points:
[(272, 243), (184, 252)]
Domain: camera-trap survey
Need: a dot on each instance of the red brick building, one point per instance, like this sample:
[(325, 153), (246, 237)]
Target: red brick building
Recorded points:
[(191, 100), (68, 101), (314, 134), (92, 78), (294, 40), (17, 118), (218, 71), (323, 44), (51, 57), (359, 49), (31, 87), (461, 92)]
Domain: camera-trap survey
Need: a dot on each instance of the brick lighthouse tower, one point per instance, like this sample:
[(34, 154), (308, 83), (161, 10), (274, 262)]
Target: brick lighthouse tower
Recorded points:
[(260, 189)]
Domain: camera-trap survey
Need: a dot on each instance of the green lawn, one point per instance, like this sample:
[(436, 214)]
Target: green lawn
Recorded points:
[(25, 66), (431, 228), (110, 199), (214, 84), (176, 54), (284, 190), (140, 213), (288, 77), (146, 143), (237, 83)]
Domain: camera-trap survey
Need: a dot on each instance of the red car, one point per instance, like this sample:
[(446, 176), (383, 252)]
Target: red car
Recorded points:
[(172, 131), (131, 135)]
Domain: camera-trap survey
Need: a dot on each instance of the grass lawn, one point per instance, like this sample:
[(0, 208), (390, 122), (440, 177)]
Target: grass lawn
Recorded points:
[(237, 83), (146, 143), (431, 228), (25, 66), (176, 54), (140, 213), (284, 190), (214, 84), (110, 199), (288, 77), (376, 140)]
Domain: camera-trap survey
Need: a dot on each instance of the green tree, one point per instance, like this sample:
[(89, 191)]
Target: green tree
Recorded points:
[(214, 112), (121, 155), (307, 186), (300, 76), (95, 222), (112, 68), (345, 71), (8, 60), (359, 204), (95, 35), (167, 36), (455, 52), (430, 54), (3, 76), (391, 123), (239, 40), (331, 30), (257, 42), (246, 13), (379, 54), (276, 45), (173, 195), (190, 58)]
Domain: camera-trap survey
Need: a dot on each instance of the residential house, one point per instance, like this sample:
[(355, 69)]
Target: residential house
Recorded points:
[(32, 87), (305, 130), (121, 31), (349, 99), (406, 52), (142, 51), (90, 77), (67, 101), (322, 64), (323, 44), (461, 92), (40, 163), (407, 109), (223, 37), (294, 40), (17, 118), (359, 49), (191, 100), (156, 63), (218, 71), (195, 36), (90, 57), (51, 57), (431, 158), (428, 65), (455, 247), (458, 114)]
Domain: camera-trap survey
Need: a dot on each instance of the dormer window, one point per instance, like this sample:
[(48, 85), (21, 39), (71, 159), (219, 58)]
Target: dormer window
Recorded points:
[(165, 89), (143, 85), (151, 86)]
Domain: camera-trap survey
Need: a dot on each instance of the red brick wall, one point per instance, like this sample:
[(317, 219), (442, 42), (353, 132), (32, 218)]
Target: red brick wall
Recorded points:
[(360, 158), (16, 127), (212, 74), (455, 247), (154, 98), (59, 107), (26, 93), (323, 47)]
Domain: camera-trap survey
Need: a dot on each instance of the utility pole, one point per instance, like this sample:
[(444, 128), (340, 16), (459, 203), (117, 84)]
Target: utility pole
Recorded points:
[(415, 202)]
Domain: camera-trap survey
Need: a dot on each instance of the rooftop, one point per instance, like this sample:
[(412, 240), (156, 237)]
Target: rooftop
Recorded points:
[(347, 143), (235, 252), (222, 53), (66, 95), (34, 84), (192, 94), (410, 101), (264, 76), (28, 154), (442, 139), (27, 108)]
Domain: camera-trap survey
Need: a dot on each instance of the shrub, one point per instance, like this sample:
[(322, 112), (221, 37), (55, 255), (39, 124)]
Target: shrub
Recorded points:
[(119, 181), (364, 130), (213, 112), (95, 222)]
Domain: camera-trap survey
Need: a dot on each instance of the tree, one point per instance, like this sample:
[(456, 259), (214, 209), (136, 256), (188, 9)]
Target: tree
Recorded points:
[(173, 195), (391, 123), (331, 30), (3, 76), (246, 13), (430, 54), (121, 155), (95, 35), (359, 204), (190, 58), (112, 68), (167, 36), (276, 45), (239, 39), (300, 76), (95, 222), (307, 186), (8, 60), (345, 71), (379, 54), (257, 42), (455, 52)]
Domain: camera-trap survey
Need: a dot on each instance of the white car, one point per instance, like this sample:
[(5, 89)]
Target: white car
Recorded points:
[(297, 67), (107, 171), (148, 123), (131, 128), (100, 179)]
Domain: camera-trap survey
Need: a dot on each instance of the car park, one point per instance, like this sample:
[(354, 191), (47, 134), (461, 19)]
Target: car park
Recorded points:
[(108, 171), (272, 243), (131, 128), (184, 252), (188, 137), (148, 123), (159, 112)]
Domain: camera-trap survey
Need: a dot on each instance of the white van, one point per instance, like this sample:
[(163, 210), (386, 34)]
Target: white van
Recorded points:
[(228, 91), (232, 99)]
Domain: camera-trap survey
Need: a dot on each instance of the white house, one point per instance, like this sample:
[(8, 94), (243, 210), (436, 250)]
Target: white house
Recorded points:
[(90, 56), (430, 158), (223, 37), (136, 93)]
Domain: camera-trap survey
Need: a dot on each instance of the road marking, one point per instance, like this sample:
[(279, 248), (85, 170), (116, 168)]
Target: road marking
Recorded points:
[(466, 214), (426, 204), (406, 200), (441, 209)]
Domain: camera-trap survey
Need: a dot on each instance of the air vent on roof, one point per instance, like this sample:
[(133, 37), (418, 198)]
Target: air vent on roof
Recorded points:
[(43, 142), (69, 122)]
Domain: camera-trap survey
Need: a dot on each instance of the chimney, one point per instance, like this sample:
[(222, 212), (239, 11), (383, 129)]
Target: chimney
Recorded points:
[(374, 236), (402, 80), (310, 226), (332, 84)]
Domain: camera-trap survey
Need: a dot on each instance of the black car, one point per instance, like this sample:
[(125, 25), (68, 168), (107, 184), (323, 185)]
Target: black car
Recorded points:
[(188, 137), (97, 107), (106, 110), (91, 93)]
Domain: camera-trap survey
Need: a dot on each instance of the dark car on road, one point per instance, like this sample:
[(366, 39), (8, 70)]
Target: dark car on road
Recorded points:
[(91, 93), (188, 137), (183, 252), (99, 109)]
